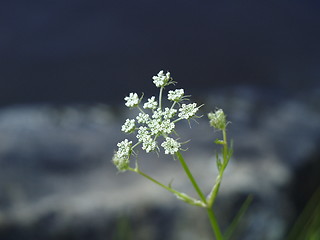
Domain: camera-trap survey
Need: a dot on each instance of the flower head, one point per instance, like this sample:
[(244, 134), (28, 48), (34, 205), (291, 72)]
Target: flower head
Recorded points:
[(154, 121), (157, 114), (188, 110), (143, 118), (121, 162), (121, 157), (175, 95), (169, 113), (155, 126), (170, 146), (218, 119), (128, 126), (149, 144), (143, 133), (124, 148), (162, 80), (167, 126), (151, 104), (132, 100)]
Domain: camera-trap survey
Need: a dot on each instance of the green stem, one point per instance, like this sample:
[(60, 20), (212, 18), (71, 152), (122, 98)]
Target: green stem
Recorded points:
[(160, 97), (140, 109), (153, 180), (214, 192), (225, 147), (173, 104), (178, 194), (214, 224), (191, 178), (212, 218), (177, 120)]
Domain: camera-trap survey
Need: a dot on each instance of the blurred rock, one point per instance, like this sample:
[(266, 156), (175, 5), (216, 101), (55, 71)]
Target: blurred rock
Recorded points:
[(58, 182)]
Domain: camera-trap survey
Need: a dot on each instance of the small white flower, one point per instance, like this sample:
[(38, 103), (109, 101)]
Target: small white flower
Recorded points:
[(149, 144), (155, 126), (175, 95), (132, 100), (157, 114), (151, 104), (169, 113), (128, 126), (121, 157), (124, 148), (167, 126), (143, 118), (170, 146), (161, 80), (188, 110), (143, 133)]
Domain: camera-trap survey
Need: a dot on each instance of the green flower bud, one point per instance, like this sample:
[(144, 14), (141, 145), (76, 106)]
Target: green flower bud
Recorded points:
[(218, 119), (121, 157)]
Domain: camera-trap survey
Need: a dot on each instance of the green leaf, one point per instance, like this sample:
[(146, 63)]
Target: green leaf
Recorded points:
[(235, 222), (307, 225)]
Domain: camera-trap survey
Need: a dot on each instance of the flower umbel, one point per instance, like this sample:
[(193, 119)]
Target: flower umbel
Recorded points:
[(151, 104), (170, 146), (132, 100), (128, 126), (187, 111), (143, 118), (149, 144), (162, 80), (175, 95), (154, 123), (218, 119), (121, 157)]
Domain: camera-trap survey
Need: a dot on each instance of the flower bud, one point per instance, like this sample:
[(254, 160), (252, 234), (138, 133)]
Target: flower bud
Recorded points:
[(218, 119)]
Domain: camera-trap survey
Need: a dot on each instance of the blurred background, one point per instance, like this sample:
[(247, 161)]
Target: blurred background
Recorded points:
[(65, 67)]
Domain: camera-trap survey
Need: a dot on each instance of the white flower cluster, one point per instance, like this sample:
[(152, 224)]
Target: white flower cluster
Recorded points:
[(175, 95), (162, 80), (171, 146), (128, 126), (188, 110), (157, 122), (121, 157), (132, 100), (218, 119), (151, 104)]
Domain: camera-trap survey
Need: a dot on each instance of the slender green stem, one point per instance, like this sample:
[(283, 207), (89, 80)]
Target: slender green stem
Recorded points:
[(153, 180), (181, 196), (212, 218), (173, 104), (214, 192), (225, 147), (177, 120), (160, 97), (191, 178), (225, 155), (136, 144), (140, 109), (214, 224)]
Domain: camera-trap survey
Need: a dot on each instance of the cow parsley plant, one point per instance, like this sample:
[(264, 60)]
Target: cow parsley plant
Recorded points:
[(154, 130)]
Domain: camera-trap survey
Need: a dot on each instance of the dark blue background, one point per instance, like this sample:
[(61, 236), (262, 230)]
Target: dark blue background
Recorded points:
[(98, 51)]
